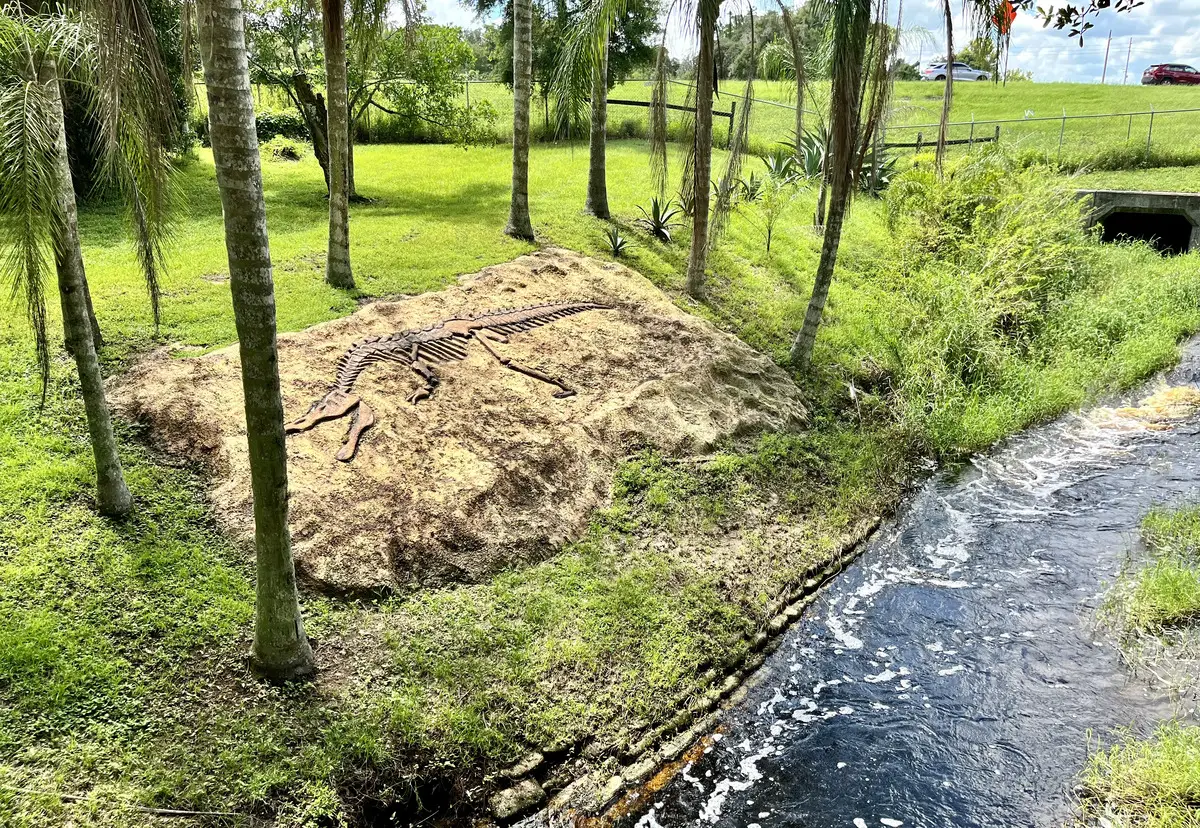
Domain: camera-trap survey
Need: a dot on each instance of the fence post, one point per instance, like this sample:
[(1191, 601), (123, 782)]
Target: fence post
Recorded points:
[(732, 111), (1150, 131), (467, 84), (1129, 132), (920, 140), (997, 138), (971, 139), (1062, 130)]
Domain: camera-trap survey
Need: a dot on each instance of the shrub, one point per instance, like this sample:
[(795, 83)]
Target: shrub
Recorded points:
[(281, 148), (288, 124)]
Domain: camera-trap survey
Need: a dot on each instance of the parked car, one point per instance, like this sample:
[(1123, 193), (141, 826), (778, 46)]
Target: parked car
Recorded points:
[(937, 72), (1168, 73)]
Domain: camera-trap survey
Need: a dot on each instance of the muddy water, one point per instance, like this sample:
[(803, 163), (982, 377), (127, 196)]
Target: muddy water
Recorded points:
[(951, 677)]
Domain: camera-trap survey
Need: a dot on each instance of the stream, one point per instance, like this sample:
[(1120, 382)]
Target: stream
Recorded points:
[(953, 675)]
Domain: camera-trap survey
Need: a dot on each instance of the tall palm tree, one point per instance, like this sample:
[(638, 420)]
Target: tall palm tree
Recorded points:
[(597, 186), (280, 648), (707, 12), (948, 91), (519, 224), (104, 50), (337, 263), (797, 48), (581, 79), (851, 23)]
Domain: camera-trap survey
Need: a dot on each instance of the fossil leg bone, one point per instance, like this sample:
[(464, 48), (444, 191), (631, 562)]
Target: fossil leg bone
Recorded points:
[(484, 335), (336, 403), (364, 418), (426, 371)]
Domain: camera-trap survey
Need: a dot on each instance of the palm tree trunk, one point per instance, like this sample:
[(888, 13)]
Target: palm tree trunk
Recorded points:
[(948, 94), (280, 647), (351, 190), (337, 263), (597, 190), (519, 225), (698, 254), (93, 322), (823, 190), (851, 28), (112, 495)]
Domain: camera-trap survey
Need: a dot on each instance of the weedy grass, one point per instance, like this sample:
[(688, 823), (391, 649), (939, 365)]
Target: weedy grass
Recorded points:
[(1146, 783), (122, 675), (1164, 592)]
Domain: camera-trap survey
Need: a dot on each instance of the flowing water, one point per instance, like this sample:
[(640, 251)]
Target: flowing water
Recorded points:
[(952, 675)]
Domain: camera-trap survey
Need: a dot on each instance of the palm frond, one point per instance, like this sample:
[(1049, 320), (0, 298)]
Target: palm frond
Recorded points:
[(658, 121), (28, 207), (737, 153), (581, 58)]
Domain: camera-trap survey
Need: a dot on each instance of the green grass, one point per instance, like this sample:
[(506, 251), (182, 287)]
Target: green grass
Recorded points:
[(122, 646), (1165, 592), (1091, 143), (1164, 179), (1147, 783)]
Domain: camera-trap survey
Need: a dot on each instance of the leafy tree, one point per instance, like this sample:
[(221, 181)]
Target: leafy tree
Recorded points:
[(905, 71), (106, 52), (280, 648), (417, 74), (982, 53)]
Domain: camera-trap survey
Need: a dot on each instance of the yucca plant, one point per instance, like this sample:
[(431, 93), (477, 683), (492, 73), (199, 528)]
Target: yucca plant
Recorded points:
[(660, 218), (617, 244)]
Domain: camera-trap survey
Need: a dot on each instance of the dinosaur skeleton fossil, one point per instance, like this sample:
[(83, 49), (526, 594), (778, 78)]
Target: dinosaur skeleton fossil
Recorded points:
[(421, 350)]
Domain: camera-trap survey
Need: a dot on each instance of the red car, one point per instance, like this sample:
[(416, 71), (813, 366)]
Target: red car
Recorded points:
[(1168, 73)]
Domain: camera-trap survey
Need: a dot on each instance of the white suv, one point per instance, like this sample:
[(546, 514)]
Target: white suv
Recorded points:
[(937, 72)]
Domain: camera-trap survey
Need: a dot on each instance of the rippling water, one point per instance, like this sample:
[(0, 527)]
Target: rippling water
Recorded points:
[(952, 675)]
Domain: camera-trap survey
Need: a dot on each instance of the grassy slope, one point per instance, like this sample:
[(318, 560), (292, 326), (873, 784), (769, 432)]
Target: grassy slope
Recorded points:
[(1165, 179), (918, 103), (121, 646)]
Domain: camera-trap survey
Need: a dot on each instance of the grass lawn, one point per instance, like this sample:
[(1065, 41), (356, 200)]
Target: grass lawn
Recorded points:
[(917, 104), (1164, 179), (122, 676)]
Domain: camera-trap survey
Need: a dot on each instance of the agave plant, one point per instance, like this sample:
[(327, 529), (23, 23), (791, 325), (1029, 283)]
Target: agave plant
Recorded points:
[(874, 177), (781, 166), (751, 188), (660, 218), (617, 244)]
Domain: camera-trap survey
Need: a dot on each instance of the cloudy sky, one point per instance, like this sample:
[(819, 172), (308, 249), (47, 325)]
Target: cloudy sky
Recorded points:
[(1160, 31)]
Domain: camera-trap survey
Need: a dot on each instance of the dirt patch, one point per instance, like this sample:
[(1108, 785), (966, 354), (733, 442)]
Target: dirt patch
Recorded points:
[(491, 471)]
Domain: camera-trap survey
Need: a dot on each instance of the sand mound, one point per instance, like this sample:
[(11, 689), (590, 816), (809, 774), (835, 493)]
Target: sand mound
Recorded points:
[(492, 470)]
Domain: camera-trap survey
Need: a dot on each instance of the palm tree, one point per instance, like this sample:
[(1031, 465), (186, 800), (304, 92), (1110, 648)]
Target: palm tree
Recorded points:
[(280, 648), (581, 78), (118, 81), (519, 225), (337, 262), (948, 91), (707, 12), (851, 23)]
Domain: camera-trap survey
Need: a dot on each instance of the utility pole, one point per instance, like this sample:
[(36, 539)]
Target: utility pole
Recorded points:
[(1107, 46), (1128, 54)]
